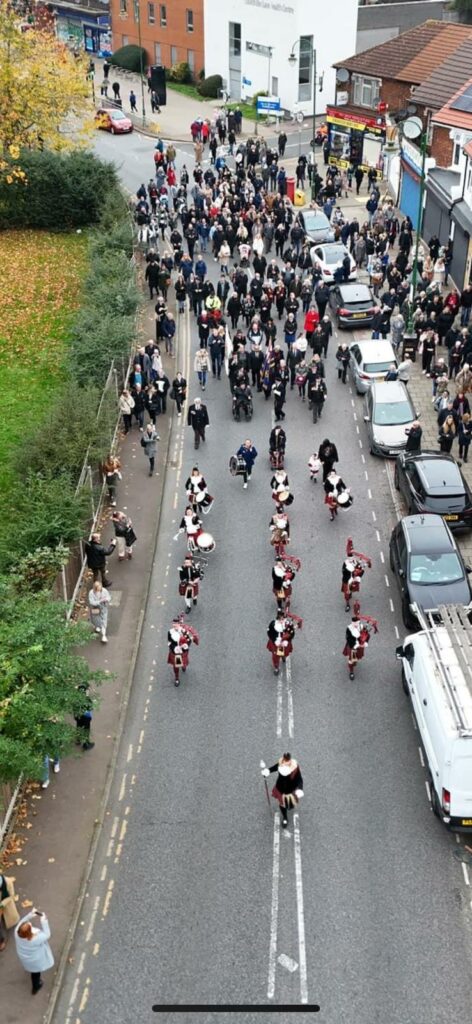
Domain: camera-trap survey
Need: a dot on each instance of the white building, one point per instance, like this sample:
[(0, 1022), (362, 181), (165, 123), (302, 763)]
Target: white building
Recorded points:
[(248, 42)]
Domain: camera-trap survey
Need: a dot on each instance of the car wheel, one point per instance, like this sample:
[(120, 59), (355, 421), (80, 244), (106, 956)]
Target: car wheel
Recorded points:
[(392, 563), (405, 684), (396, 479), (406, 614), (112, 130), (435, 805)]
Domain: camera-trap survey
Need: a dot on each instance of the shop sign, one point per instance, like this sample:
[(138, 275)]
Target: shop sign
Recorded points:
[(347, 122)]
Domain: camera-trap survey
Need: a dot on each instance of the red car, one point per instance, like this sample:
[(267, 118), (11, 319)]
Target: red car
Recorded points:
[(112, 119)]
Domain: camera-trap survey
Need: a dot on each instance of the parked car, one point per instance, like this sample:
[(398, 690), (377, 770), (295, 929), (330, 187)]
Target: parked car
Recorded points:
[(353, 305), (330, 256), (316, 226), (428, 566), (111, 119), (433, 482), (389, 414), (370, 361), (436, 671)]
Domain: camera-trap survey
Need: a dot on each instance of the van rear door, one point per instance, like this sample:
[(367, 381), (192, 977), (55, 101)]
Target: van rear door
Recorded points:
[(461, 784)]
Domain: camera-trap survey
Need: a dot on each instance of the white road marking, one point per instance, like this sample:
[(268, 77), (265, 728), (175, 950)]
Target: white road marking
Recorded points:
[(279, 705), (363, 459), (465, 872), (392, 607), (374, 517), (300, 911), (428, 790), (122, 787), (382, 559), (387, 584), (378, 536), (420, 752), (274, 913), (396, 632), (286, 961)]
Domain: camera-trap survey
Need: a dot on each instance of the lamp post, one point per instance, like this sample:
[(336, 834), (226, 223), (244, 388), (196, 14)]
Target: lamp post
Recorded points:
[(137, 18), (292, 60), (413, 129)]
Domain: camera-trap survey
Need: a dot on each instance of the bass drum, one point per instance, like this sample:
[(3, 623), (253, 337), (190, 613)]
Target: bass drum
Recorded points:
[(205, 543), (344, 499), (237, 465)]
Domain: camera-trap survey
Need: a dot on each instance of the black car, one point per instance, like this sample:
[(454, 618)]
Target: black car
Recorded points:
[(433, 482), (353, 305), (427, 564)]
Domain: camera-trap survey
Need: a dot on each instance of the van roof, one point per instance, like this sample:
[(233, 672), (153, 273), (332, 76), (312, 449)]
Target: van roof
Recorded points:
[(447, 631)]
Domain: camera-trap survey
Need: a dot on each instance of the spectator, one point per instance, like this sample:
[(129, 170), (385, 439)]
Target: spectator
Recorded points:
[(414, 434), (179, 391), (149, 444), (125, 535), (126, 406), (96, 555), (98, 601), (111, 476), (32, 947)]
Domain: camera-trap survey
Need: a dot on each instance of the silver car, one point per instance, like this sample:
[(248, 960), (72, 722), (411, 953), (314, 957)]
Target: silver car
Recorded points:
[(316, 226), (370, 361), (389, 414)]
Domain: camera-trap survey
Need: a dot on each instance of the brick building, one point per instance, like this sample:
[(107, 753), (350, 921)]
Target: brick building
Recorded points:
[(171, 32)]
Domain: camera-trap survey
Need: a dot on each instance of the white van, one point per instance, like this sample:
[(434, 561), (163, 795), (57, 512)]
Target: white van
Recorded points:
[(437, 676)]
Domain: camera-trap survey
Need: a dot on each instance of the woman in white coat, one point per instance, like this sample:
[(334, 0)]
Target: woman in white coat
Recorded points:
[(32, 947)]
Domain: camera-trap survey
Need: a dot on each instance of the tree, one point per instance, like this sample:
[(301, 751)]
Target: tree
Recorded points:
[(42, 679), (464, 10), (43, 92)]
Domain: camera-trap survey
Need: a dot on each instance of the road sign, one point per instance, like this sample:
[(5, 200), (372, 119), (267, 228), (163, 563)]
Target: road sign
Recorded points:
[(267, 104), (264, 51), (246, 81)]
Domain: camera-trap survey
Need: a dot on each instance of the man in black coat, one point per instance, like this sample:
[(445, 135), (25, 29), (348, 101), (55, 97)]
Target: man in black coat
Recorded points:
[(96, 555), (197, 418)]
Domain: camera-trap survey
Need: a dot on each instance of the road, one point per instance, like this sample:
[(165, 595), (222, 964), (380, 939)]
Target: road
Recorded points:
[(195, 895)]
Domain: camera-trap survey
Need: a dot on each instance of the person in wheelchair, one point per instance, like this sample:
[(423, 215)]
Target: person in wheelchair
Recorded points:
[(242, 400)]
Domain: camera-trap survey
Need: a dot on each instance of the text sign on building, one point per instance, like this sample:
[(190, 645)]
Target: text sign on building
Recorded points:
[(264, 51), (266, 104)]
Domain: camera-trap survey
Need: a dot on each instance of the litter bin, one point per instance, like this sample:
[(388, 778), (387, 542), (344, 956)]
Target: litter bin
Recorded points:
[(291, 189), (409, 347), (299, 197)]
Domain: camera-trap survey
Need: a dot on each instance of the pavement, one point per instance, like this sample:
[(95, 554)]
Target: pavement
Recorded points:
[(172, 852)]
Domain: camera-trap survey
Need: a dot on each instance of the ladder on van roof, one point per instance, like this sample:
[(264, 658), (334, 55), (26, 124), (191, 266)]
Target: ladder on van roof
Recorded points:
[(455, 619)]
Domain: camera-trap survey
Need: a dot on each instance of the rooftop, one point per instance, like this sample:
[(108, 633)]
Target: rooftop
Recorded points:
[(413, 55), (450, 75)]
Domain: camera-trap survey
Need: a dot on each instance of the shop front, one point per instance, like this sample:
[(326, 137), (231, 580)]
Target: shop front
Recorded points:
[(355, 140), (84, 31)]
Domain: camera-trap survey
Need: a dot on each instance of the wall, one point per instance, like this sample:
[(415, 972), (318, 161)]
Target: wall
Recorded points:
[(279, 23), (174, 34), (442, 146), (379, 22)]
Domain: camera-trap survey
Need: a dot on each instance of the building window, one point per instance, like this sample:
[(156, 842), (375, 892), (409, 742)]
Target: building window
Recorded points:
[(123, 6), (125, 40), (189, 20), (456, 154), (157, 54), (469, 179), (173, 55), (305, 69), (234, 39), (366, 91), (191, 60), (151, 13), (163, 15)]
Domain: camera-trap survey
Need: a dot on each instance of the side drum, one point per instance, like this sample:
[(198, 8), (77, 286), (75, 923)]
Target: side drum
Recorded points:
[(237, 465)]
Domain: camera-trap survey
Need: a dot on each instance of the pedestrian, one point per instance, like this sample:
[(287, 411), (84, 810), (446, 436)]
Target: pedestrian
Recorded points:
[(282, 142), (125, 535), (32, 947), (126, 406), (179, 639), (155, 108), (201, 366), (197, 418), (358, 177), (342, 362), (404, 371), (96, 555), (168, 332), (106, 68), (414, 435), (189, 579), (149, 443), (98, 601), (288, 789), (9, 915), (328, 455), (139, 405), (358, 634), (248, 453), (83, 717), (116, 92), (132, 102), (465, 435), (447, 433), (179, 391), (111, 476)]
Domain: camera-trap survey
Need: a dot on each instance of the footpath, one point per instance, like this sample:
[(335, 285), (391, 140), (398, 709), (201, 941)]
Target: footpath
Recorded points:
[(52, 842)]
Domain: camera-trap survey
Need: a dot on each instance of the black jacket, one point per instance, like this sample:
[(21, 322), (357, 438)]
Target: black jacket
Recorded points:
[(97, 553), (197, 418)]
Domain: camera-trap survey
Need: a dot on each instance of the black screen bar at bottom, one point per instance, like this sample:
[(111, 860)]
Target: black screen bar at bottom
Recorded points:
[(235, 1008)]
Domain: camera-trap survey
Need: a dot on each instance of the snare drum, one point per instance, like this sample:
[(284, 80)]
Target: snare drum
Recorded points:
[(237, 465), (205, 543)]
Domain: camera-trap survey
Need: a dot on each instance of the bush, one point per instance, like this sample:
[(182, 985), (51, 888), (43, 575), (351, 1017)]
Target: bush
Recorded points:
[(262, 92), (61, 192), (180, 73), (210, 86), (46, 512), (131, 57)]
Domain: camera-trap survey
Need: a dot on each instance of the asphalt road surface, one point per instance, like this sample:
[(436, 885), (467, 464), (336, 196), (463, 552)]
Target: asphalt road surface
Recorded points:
[(196, 896)]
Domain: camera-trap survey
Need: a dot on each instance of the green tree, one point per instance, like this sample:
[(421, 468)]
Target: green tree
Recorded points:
[(464, 10), (40, 676)]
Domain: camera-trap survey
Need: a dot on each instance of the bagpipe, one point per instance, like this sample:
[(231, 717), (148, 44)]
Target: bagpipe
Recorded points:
[(352, 574), (189, 634), (367, 625), (295, 623)]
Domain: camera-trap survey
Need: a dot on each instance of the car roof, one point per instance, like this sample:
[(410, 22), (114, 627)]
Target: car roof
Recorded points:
[(310, 216), (375, 349), (355, 292), (389, 391), (439, 474), (427, 533)]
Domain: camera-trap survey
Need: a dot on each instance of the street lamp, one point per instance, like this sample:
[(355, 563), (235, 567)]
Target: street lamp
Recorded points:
[(292, 60), (137, 18), (412, 128)]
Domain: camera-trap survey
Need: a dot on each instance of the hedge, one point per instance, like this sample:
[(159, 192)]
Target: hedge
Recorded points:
[(210, 86), (62, 191), (130, 57)]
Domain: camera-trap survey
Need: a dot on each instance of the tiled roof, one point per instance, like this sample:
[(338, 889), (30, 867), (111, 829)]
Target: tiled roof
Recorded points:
[(449, 76), (455, 118), (411, 56)]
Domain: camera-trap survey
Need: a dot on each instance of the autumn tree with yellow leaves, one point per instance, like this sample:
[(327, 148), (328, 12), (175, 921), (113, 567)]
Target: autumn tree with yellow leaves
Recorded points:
[(44, 93)]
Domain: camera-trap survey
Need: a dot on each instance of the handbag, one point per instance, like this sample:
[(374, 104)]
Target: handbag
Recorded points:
[(130, 537), (172, 394), (8, 907)]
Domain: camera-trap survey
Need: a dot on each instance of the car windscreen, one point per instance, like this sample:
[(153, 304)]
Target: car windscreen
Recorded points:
[(377, 367), (428, 569), (390, 414), (315, 220), (118, 115)]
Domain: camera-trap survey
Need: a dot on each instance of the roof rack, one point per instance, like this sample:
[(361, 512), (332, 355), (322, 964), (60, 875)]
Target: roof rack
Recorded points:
[(455, 619)]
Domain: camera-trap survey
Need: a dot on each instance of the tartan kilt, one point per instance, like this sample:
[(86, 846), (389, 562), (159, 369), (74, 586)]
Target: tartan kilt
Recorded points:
[(285, 799), (178, 660)]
